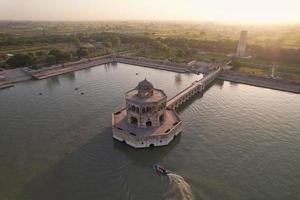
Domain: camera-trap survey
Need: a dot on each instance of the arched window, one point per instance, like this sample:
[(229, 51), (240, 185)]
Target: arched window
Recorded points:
[(133, 120), (143, 110), (137, 109), (133, 108), (148, 109)]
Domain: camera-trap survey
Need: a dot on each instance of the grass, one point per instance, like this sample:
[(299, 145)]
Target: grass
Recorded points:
[(282, 71), (208, 57), (288, 72), (37, 47), (255, 71)]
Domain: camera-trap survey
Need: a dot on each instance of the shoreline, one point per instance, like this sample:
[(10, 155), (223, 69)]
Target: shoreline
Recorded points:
[(87, 63), (258, 81), (5, 84), (232, 76)]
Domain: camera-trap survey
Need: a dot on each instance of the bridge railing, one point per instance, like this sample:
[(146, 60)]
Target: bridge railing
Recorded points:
[(195, 84)]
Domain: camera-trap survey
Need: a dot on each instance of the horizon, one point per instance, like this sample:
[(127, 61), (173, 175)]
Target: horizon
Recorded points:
[(199, 22), (193, 11)]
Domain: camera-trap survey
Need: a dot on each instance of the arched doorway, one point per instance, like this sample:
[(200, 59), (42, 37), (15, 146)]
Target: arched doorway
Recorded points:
[(148, 123), (161, 118), (133, 120)]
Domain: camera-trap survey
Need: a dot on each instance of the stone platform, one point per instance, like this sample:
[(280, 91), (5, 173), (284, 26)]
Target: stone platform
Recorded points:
[(145, 137)]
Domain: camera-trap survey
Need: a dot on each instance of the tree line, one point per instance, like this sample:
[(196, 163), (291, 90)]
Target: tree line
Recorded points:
[(166, 47)]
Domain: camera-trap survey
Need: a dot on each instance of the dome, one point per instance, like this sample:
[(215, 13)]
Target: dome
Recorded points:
[(145, 85), (145, 88)]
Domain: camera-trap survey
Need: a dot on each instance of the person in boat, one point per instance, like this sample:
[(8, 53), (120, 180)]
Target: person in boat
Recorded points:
[(159, 169)]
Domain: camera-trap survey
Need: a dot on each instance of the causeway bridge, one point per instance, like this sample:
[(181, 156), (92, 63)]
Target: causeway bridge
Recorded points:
[(195, 88)]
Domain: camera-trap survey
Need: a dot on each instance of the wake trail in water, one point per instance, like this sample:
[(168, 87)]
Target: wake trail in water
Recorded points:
[(179, 188)]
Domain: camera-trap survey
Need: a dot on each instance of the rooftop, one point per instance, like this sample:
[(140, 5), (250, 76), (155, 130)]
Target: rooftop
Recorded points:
[(145, 93), (157, 95)]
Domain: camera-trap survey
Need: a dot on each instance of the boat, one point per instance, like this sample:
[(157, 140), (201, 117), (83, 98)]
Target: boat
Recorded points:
[(159, 169)]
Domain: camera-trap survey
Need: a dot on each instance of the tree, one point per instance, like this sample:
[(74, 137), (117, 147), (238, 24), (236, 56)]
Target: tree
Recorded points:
[(20, 60), (108, 50), (136, 46), (51, 60), (67, 56), (40, 53), (115, 40), (82, 52), (236, 63), (60, 56), (107, 43), (180, 53)]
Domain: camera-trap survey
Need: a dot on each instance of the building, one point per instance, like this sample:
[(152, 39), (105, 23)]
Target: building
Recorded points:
[(200, 67), (146, 121), (98, 45), (241, 49), (87, 46)]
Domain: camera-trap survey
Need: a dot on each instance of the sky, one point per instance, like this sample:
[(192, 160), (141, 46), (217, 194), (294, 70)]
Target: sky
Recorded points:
[(239, 11)]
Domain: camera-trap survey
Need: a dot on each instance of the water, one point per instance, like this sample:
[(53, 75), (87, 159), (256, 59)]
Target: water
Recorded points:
[(179, 188), (239, 142)]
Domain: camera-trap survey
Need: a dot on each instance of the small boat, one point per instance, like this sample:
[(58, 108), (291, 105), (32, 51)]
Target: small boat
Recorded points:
[(159, 169)]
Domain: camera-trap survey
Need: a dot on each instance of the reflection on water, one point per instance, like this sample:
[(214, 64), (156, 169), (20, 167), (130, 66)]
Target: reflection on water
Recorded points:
[(178, 79), (233, 84), (71, 76), (237, 142), (110, 66), (219, 83), (53, 82)]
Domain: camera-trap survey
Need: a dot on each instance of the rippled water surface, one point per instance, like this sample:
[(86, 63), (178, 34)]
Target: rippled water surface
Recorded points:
[(239, 142)]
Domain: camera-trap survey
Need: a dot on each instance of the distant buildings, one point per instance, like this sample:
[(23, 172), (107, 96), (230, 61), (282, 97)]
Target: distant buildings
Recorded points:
[(98, 45), (241, 49), (92, 45), (87, 46), (200, 66)]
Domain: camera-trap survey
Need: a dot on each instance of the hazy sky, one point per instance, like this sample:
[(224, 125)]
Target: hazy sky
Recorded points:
[(197, 10)]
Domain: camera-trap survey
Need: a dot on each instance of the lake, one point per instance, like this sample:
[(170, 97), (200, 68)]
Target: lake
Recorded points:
[(238, 141)]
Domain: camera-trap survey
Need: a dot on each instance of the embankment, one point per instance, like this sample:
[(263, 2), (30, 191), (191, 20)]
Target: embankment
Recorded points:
[(86, 63), (5, 84), (277, 84)]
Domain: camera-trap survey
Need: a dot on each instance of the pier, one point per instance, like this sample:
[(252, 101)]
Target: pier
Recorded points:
[(195, 88)]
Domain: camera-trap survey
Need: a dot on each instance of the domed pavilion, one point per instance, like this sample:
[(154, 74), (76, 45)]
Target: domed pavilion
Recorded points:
[(146, 105), (146, 121)]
